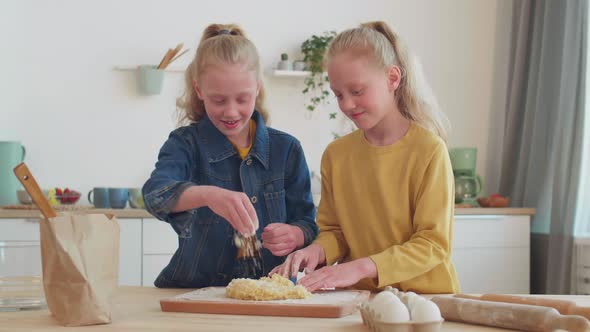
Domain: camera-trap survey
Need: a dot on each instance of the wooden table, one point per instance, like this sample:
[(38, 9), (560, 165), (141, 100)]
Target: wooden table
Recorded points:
[(138, 309)]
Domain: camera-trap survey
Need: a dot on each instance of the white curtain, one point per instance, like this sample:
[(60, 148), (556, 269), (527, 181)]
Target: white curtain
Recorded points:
[(543, 134), (580, 272)]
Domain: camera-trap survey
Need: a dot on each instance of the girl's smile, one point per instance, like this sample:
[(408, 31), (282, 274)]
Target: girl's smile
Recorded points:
[(230, 124), (356, 115)]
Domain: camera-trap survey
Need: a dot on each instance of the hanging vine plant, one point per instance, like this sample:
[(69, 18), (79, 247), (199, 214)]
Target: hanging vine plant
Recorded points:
[(316, 84)]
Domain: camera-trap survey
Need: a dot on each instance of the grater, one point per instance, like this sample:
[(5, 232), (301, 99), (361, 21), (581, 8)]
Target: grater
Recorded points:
[(248, 256)]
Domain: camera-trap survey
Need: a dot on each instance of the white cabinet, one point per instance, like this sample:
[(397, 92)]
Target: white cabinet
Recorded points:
[(130, 252), (20, 252), (491, 254), (146, 246), (160, 242)]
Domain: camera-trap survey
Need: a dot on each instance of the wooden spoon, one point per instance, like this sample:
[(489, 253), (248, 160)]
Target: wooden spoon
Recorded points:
[(178, 56), (169, 56), (165, 59), (26, 178)]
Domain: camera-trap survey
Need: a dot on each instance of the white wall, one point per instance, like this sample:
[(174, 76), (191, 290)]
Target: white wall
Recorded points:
[(86, 125)]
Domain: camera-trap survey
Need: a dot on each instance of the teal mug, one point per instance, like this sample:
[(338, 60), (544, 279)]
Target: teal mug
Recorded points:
[(118, 197), (99, 197)]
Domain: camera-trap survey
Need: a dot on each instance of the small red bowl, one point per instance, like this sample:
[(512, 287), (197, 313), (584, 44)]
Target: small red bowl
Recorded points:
[(70, 197), (493, 202)]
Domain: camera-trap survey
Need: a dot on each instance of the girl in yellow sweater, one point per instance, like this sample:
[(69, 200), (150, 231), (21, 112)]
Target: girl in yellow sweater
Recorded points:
[(386, 208)]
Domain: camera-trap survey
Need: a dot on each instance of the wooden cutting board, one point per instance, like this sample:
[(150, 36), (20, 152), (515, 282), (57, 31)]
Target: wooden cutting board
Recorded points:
[(212, 300)]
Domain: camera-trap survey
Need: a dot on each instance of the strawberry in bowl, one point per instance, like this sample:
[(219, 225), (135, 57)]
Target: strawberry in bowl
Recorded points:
[(67, 195)]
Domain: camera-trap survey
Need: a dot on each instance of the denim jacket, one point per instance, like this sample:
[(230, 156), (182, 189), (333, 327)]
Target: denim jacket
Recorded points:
[(274, 175)]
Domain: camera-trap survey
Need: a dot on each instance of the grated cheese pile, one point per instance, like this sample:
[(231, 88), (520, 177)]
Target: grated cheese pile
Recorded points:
[(276, 287)]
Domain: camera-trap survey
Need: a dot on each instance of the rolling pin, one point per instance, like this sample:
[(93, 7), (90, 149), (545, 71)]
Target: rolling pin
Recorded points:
[(521, 317), (564, 307)]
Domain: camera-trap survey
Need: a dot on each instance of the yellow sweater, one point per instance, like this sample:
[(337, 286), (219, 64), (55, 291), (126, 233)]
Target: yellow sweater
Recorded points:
[(393, 204), (243, 152)]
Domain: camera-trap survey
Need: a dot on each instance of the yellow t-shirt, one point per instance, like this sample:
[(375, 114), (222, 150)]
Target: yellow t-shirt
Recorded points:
[(394, 204), (243, 152)]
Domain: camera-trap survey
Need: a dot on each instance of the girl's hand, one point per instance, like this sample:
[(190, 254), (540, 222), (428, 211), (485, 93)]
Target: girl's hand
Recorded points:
[(340, 275), (282, 239), (235, 207), (309, 258)]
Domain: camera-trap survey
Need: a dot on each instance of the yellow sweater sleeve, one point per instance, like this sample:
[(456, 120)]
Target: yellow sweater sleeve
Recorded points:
[(330, 237), (432, 222)]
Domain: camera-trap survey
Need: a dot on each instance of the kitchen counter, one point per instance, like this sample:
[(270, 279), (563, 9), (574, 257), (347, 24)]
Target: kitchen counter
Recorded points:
[(33, 213), (141, 213), (138, 309)]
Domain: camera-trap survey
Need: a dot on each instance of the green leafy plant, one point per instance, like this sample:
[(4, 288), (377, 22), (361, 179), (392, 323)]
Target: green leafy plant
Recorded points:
[(316, 84)]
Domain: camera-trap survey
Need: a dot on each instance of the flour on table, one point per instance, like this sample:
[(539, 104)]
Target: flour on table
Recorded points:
[(217, 294)]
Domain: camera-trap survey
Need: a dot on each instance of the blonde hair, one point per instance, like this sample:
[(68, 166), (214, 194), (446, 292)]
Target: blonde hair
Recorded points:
[(415, 99), (220, 43)]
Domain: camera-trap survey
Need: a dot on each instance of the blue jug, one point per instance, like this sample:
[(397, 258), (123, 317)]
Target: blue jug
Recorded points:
[(12, 153)]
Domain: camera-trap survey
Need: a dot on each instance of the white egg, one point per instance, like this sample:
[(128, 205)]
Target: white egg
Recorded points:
[(412, 301), (382, 298), (407, 296), (425, 311), (390, 310)]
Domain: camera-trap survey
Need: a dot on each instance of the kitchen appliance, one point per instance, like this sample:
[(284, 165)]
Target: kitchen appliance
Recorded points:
[(467, 189), (11, 154), (468, 185), (463, 160)]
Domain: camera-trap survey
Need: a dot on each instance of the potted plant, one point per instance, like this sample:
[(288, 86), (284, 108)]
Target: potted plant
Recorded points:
[(316, 86), (284, 64)]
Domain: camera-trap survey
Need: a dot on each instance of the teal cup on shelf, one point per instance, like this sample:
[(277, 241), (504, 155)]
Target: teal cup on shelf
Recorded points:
[(150, 79), (99, 197), (118, 197)]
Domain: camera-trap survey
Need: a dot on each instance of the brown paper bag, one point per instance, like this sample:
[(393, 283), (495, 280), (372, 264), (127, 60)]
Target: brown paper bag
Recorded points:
[(80, 258)]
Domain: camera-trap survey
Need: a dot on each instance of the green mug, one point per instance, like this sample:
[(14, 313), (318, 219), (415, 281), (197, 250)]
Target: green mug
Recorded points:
[(12, 153)]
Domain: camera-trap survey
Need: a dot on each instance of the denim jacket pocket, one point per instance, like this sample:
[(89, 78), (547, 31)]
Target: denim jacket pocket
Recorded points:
[(276, 206)]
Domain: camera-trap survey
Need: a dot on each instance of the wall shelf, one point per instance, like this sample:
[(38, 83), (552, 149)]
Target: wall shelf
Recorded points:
[(289, 73), (134, 68)]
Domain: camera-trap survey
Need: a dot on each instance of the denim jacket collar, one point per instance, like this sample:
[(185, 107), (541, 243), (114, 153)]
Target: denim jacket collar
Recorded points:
[(219, 147)]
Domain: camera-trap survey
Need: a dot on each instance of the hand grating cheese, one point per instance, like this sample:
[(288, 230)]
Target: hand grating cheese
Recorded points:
[(265, 289)]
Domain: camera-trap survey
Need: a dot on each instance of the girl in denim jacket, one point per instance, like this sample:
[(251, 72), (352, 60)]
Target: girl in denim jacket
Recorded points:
[(227, 172)]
